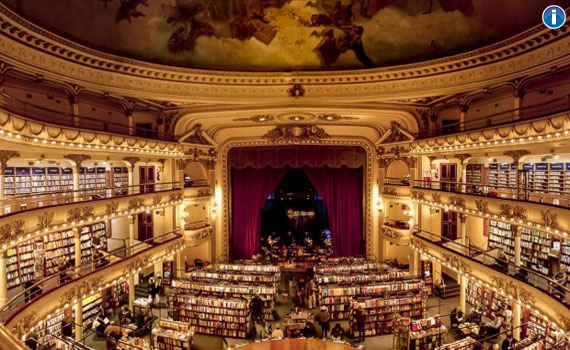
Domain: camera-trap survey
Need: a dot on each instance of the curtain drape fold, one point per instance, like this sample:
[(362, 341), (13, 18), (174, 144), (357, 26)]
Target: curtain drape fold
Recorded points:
[(250, 189), (341, 189)]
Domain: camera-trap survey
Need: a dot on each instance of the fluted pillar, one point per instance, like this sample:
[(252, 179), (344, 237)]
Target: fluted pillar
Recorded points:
[(77, 246), (131, 282), (131, 243), (79, 320), (518, 248), (3, 278), (517, 315)]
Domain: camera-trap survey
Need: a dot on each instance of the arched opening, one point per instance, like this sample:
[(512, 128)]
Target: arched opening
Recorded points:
[(195, 174), (398, 173)]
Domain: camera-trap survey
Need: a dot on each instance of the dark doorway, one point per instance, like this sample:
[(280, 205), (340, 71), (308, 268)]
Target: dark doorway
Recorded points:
[(146, 179), (145, 226)]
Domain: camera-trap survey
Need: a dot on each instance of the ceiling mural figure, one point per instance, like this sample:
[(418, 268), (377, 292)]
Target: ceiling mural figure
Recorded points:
[(283, 35)]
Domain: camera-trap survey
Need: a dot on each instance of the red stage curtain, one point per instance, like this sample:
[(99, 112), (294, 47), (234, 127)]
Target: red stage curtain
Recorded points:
[(250, 188), (341, 189)]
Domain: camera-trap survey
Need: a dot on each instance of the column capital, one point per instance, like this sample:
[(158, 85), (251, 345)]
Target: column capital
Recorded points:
[(131, 219), (132, 161), (516, 154), (462, 217), (76, 233), (5, 156), (78, 159)]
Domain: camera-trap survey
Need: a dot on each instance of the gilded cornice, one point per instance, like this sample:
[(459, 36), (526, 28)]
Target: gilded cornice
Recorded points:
[(34, 49)]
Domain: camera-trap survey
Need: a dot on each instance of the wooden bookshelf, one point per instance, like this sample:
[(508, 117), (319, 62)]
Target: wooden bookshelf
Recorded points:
[(171, 335), (49, 331), (493, 177), (426, 334), (474, 173), (120, 177), (501, 236), (381, 312), (226, 317)]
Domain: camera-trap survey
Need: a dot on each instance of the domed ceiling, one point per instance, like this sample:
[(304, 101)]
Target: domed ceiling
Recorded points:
[(283, 35)]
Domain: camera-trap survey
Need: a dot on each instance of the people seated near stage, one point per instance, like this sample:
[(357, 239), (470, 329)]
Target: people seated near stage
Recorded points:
[(277, 333), (309, 331), (337, 332)]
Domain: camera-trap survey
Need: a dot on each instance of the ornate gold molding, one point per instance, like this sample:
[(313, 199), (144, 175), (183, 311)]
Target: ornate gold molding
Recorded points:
[(135, 203), (482, 206), (80, 213), (156, 200), (45, 220), (436, 198), (11, 231), (132, 161), (5, 156), (458, 264), (458, 201), (112, 208), (78, 159), (514, 289), (549, 219), (295, 133), (512, 211), (516, 154), (418, 195), (390, 191)]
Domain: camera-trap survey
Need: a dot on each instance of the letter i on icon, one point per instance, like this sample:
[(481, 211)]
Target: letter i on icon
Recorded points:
[(553, 17)]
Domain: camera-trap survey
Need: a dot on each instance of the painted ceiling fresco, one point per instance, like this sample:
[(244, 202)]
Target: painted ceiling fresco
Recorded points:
[(284, 35)]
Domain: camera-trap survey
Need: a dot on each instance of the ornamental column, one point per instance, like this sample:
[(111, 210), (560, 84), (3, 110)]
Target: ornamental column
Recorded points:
[(74, 106), (77, 247), (129, 111), (132, 161), (79, 320), (131, 242), (463, 108), (517, 315), (5, 156), (516, 155), (131, 282), (518, 247), (462, 278), (77, 160), (518, 101), (3, 278)]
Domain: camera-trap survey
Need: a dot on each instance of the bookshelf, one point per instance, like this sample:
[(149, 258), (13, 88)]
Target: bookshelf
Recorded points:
[(358, 267), (358, 278), (501, 236), (130, 343), (537, 176), (120, 177), (245, 267), (338, 298), (171, 335), (426, 334), (12, 268), (91, 307), (540, 328), (57, 245), (226, 317), (67, 179), (493, 177), (39, 180), (565, 255), (101, 178), (474, 173), (235, 290), (494, 303), (214, 275), (20, 265), (49, 331), (54, 179), (536, 250), (381, 312)]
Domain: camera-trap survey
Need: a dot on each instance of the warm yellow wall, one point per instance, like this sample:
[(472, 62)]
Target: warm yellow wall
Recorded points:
[(202, 251), (393, 251), (474, 231)]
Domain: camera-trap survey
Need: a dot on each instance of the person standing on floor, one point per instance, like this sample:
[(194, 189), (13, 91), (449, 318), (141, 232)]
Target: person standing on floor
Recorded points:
[(292, 287), (151, 290), (324, 319), (257, 308), (360, 320), (312, 293)]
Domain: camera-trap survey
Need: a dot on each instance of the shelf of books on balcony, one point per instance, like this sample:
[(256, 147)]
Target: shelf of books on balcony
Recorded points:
[(91, 307), (49, 331), (120, 177), (37, 180), (357, 278), (226, 317), (337, 298), (334, 266), (426, 334), (537, 250), (541, 330), (501, 236), (537, 177), (44, 254), (474, 173), (171, 335), (212, 274), (92, 178), (494, 303)]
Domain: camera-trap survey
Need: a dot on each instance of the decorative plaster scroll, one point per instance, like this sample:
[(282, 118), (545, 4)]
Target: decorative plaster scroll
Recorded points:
[(549, 219), (516, 154), (418, 195), (458, 201), (482, 206), (11, 231), (78, 159), (135, 203), (132, 161), (512, 288), (156, 200), (5, 156), (134, 265), (45, 220), (458, 264), (436, 198), (174, 197), (512, 211), (112, 208)]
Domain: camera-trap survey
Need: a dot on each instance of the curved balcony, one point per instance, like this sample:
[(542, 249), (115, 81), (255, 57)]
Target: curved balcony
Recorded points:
[(37, 215), (540, 123), (46, 132), (71, 286), (470, 199), (543, 296)]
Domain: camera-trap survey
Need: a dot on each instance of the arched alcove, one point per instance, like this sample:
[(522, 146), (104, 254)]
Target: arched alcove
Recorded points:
[(196, 172), (398, 169)]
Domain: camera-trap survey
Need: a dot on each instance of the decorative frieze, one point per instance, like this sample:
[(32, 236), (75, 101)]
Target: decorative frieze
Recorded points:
[(458, 201), (112, 208), (296, 133), (418, 195), (5, 156), (135, 203), (513, 289), (482, 206), (512, 211), (78, 159), (156, 200), (390, 191), (436, 198), (11, 231), (549, 219), (132, 161), (45, 220), (456, 263)]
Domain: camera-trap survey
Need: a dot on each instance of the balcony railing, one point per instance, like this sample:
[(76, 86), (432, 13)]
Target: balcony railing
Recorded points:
[(498, 119), (555, 288), (43, 114), (72, 274), (16, 204), (397, 181), (546, 196)]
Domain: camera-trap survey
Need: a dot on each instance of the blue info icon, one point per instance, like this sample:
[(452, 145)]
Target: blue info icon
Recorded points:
[(554, 17)]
